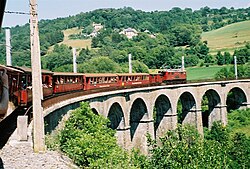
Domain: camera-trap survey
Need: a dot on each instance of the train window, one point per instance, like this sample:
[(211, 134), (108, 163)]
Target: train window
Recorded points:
[(23, 82), (61, 80)]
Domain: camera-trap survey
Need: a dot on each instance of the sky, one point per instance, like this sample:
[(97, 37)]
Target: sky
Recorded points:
[(51, 9)]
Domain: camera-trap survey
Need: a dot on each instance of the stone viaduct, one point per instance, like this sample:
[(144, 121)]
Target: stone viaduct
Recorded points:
[(153, 110)]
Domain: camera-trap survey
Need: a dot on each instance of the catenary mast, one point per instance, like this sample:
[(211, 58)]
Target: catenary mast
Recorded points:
[(39, 142)]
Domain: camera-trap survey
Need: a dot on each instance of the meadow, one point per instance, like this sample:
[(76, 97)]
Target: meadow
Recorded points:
[(228, 38), (75, 43), (201, 73)]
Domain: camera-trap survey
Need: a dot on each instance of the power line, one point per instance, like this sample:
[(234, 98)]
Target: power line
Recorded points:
[(16, 12)]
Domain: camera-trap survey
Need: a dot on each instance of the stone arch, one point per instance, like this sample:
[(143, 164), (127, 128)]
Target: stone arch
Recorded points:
[(138, 111), (212, 112), (187, 114), (236, 98), (116, 117), (162, 115)]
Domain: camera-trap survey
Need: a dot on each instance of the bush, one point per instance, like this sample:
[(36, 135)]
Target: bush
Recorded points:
[(90, 143)]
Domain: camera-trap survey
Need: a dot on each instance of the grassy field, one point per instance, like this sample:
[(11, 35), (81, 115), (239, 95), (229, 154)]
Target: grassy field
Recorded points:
[(228, 38), (76, 43), (198, 73)]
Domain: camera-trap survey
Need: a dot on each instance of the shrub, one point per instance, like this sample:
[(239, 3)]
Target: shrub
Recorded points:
[(90, 143)]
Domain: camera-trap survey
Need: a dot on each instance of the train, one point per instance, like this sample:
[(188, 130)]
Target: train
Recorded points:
[(20, 81)]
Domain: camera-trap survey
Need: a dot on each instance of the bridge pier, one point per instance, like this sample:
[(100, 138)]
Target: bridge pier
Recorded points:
[(123, 137), (168, 122), (194, 118), (139, 139), (199, 125), (219, 113)]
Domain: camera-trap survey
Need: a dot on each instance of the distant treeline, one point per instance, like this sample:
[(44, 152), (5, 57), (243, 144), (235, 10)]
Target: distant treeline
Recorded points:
[(177, 33)]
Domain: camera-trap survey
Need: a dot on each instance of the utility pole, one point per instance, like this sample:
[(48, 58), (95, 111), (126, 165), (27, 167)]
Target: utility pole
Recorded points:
[(235, 67), (130, 63), (74, 60), (39, 142), (182, 63), (8, 47)]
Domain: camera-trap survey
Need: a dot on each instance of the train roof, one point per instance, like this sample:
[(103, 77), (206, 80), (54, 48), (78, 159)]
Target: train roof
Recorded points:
[(67, 74), (29, 70), (133, 74), (100, 75), (172, 70), (11, 69), (154, 74)]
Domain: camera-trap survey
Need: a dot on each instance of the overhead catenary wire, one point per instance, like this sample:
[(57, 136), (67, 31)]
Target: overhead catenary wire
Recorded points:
[(17, 12)]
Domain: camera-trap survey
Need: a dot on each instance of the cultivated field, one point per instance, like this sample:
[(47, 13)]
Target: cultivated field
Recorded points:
[(228, 38), (75, 43)]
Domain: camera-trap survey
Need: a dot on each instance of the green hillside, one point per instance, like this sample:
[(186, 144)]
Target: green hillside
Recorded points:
[(229, 37), (201, 73)]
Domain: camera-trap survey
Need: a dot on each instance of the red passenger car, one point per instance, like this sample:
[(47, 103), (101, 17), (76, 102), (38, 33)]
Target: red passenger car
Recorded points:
[(133, 79), (25, 87), (66, 82), (95, 81), (14, 77), (20, 87)]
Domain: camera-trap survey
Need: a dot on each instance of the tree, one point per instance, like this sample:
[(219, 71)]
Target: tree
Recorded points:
[(191, 60), (88, 30), (100, 64), (139, 67), (224, 73), (87, 140), (203, 50), (220, 58), (61, 55), (218, 133), (240, 151), (228, 58), (184, 148)]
